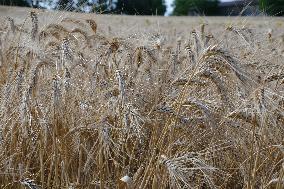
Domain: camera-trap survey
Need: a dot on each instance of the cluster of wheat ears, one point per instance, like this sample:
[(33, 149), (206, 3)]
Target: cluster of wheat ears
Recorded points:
[(80, 109)]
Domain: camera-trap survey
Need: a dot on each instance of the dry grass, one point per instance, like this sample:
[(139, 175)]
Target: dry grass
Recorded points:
[(90, 107)]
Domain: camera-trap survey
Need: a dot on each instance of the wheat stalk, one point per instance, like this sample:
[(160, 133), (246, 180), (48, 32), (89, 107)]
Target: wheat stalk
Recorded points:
[(34, 25)]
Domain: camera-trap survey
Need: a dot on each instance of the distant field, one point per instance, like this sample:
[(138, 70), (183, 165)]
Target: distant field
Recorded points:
[(125, 25), (115, 101)]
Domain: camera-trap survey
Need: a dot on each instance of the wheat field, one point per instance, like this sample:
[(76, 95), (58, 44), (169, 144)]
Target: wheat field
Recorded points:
[(114, 102)]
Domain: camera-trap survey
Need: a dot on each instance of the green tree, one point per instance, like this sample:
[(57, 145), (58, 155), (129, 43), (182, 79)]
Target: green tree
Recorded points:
[(74, 5), (21, 3), (200, 7), (65, 5), (139, 7), (102, 6), (272, 7)]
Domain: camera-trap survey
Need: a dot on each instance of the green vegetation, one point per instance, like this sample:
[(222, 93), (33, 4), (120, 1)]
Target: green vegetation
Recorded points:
[(132, 7), (272, 7), (21, 3), (201, 7), (138, 7)]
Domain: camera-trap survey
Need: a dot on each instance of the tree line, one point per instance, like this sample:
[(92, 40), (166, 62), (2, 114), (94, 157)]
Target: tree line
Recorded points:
[(211, 7), (142, 7), (131, 7)]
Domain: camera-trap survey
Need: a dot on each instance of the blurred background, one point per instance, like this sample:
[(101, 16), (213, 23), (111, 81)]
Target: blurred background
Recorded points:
[(160, 7)]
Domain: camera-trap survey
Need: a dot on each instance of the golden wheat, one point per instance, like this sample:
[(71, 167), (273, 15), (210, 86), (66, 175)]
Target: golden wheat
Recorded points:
[(84, 105)]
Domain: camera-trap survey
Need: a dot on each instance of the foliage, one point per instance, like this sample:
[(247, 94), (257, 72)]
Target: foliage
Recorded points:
[(200, 7), (101, 6), (272, 7), (21, 3), (65, 5), (138, 7)]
